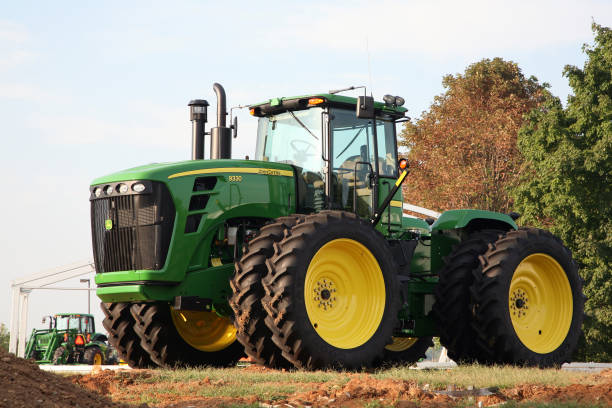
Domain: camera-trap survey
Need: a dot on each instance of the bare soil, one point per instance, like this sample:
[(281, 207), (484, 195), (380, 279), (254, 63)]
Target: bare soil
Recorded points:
[(23, 384)]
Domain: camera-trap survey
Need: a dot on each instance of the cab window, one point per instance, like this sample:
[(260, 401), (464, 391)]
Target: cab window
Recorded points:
[(387, 152)]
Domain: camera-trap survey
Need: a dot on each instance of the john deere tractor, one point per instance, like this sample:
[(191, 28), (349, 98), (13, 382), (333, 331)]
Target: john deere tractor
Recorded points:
[(303, 257), (70, 338)]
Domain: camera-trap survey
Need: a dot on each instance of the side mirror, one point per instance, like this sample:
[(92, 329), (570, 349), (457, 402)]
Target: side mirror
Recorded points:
[(365, 107), (44, 320), (235, 127)]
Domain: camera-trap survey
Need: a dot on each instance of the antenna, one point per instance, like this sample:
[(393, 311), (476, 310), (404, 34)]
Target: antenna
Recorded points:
[(350, 88), (369, 65)]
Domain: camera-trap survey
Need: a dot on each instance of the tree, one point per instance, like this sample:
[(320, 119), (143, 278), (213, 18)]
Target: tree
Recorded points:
[(4, 337), (567, 182), (463, 150)]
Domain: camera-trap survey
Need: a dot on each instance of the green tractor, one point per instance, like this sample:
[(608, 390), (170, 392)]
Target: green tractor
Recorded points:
[(71, 338), (303, 257)]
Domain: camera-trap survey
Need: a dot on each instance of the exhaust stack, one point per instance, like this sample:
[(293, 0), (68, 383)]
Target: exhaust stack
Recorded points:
[(197, 114), (221, 136)]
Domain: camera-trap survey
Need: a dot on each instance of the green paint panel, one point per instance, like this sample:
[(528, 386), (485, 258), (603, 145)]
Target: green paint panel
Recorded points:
[(461, 218)]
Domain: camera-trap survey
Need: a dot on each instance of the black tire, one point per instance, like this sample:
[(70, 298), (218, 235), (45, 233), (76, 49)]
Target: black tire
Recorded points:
[(58, 356), (494, 303), (285, 301), (452, 308), (112, 358), (166, 347), (89, 357), (99, 337), (119, 324), (410, 355), (249, 315)]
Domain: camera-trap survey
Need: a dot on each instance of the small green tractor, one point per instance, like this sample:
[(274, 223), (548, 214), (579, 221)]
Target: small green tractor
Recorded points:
[(71, 338), (303, 257)]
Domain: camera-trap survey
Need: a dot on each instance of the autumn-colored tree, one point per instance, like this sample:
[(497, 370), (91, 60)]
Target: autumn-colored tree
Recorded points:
[(463, 151)]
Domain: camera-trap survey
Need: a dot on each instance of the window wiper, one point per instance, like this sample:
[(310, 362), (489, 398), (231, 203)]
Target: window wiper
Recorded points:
[(302, 125), (351, 142)]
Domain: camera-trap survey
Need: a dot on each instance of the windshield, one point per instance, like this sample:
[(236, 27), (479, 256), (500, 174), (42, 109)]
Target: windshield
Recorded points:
[(293, 138), (81, 323), (68, 322)]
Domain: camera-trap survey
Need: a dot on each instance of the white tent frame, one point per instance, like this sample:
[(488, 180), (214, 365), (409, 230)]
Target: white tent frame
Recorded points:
[(21, 289)]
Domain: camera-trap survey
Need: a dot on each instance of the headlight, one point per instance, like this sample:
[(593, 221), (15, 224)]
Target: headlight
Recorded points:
[(123, 188), (138, 187), (98, 191), (108, 190)]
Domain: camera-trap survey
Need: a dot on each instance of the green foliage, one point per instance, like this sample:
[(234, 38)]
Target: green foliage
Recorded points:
[(4, 337), (567, 182)]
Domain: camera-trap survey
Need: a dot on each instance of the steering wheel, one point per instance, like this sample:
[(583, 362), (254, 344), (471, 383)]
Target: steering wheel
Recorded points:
[(305, 146)]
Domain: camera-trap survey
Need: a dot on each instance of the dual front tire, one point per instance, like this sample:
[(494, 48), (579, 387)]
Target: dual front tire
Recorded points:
[(332, 296)]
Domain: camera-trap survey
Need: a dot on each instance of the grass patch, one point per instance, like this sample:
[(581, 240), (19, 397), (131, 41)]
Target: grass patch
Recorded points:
[(484, 376), (462, 376), (274, 385), (239, 375), (553, 404)]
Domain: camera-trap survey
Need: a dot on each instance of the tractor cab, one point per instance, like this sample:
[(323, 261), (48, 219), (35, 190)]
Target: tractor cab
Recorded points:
[(70, 338), (346, 159), (81, 323)]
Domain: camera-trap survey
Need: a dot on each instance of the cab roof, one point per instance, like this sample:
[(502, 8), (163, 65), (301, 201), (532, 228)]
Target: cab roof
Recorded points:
[(283, 104)]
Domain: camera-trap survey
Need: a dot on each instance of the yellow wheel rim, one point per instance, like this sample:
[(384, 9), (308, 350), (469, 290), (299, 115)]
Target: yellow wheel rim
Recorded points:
[(344, 293), (401, 343), (540, 303), (97, 360), (205, 331)]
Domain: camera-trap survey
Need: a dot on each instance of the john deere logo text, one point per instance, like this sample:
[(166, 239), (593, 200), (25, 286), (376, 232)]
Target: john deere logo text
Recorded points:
[(269, 172), (108, 224)]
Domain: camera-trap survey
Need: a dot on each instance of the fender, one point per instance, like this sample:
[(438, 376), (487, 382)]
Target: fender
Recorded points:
[(473, 219)]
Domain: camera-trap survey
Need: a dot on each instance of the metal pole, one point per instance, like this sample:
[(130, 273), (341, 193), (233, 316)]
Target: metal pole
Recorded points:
[(23, 322), (14, 330), (88, 294)]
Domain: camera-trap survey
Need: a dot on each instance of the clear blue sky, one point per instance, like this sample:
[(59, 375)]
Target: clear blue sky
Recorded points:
[(87, 88)]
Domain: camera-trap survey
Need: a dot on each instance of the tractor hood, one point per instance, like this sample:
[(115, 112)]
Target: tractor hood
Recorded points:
[(167, 171)]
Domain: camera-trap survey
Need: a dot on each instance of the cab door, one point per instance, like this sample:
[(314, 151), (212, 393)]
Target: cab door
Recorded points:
[(391, 218), (353, 162)]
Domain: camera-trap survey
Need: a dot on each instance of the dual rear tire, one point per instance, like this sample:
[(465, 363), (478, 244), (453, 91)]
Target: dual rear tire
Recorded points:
[(510, 298), (153, 334), (527, 300), (174, 338)]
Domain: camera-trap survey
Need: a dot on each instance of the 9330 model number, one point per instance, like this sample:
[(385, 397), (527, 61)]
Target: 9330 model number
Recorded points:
[(235, 179)]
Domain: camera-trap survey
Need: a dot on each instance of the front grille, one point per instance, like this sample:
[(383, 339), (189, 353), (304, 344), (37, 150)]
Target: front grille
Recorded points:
[(132, 231)]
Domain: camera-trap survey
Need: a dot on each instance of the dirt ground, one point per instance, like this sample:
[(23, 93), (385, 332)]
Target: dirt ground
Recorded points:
[(361, 390), (23, 384)]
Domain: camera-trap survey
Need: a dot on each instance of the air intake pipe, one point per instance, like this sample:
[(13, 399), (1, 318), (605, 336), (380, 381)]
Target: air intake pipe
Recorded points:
[(221, 136), (197, 114)]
